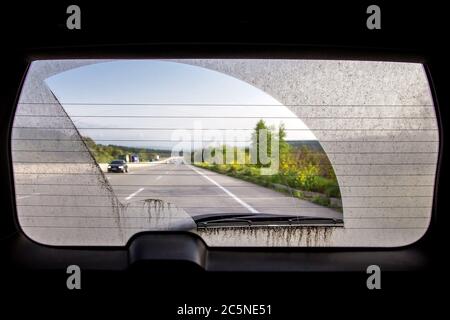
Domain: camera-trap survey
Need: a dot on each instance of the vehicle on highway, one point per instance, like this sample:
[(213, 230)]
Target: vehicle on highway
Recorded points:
[(118, 166)]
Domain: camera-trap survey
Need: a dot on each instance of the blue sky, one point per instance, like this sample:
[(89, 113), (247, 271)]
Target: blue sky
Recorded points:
[(103, 95)]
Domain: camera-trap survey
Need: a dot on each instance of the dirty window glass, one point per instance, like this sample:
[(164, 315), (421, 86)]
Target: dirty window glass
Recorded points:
[(242, 152)]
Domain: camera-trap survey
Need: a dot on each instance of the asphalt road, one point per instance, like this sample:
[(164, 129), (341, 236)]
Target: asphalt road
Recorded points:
[(199, 191)]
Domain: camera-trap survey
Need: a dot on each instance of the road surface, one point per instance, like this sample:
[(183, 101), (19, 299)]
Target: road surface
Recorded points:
[(199, 191)]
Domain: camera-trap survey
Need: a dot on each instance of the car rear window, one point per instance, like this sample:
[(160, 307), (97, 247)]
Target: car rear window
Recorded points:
[(242, 152)]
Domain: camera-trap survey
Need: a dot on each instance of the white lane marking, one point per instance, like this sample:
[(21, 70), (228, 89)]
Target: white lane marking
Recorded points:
[(134, 194), (232, 195), (158, 177)]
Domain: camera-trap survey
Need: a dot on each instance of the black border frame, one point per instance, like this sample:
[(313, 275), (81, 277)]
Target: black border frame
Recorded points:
[(415, 256)]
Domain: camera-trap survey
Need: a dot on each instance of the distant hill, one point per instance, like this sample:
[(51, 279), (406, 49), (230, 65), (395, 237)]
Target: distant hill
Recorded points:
[(107, 153), (311, 144)]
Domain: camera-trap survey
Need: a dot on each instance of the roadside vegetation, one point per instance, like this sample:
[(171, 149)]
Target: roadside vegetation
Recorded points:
[(107, 153), (304, 168)]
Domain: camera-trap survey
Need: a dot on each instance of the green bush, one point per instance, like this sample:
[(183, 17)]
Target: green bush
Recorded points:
[(321, 184), (333, 191), (244, 170), (323, 201), (298, 194), (235, 168), (275, 178), (222, 168), (306, 177), (254, 171)]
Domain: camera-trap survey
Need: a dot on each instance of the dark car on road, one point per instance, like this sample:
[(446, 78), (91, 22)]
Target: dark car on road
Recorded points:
[(118, 166)]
